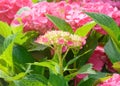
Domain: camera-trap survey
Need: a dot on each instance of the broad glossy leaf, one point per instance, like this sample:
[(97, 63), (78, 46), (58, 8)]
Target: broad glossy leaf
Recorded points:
[(75, 59), (86, 69), (49, 64), (7, 56), (5, 29), (108, 24), (85, 29), (112, 51), (37, 47), (91, 43), (8, 40), (21, 55), (7, 53), (1, 44), (31, 80), (57, 80), (61, 24), (25, 38)]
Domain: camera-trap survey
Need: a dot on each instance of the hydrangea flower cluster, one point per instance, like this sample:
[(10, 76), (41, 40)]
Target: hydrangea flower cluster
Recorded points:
[(100, 59), (8, 8), (113, 81), (61, 38), (35, 19), (114, 3)]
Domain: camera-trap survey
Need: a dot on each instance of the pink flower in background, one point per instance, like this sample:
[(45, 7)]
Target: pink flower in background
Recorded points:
[(8, 8), (116, 17), (35, 18), (113, 81), (101, 7), (78, 78), (99, 59)]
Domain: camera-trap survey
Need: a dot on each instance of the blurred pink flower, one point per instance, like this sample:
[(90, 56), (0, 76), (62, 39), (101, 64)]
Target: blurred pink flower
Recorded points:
[(72, 13), (78, 78), (99, 59), (35, 19), (8, 8), (113, 81), (116, 17)]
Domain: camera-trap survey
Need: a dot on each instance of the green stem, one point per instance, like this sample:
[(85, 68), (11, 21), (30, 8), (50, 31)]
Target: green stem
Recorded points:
[(59, 54), (61, 65), (65, 54), (74, 62)]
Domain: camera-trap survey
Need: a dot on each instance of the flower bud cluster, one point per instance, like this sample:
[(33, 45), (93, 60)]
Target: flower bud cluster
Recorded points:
[(61, 38)]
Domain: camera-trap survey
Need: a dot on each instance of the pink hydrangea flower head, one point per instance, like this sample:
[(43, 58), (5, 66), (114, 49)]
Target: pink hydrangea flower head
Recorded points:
[(113, 81), (100, 7), (35, 19), (116, 17), (61, 38), (8, 8), (72, 13), (96, 58), (99, 59)]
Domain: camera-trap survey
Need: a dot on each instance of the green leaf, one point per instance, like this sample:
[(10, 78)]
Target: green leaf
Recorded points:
[(112, 51), (1, 44), (92, 79), (5, 29), (57, 80), (61, 24), (8, 40), (3, 65), (25, 38), (3, 74), (35, 1), (108, 24), (75, 59), (37, 47), (116, 66), (86, 69), (91, 44), (7, 56), (85, 29), (49, 64), (7, 53), (19, 76), (17, 29), (31, 80), (21, 55)]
